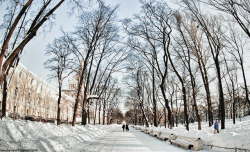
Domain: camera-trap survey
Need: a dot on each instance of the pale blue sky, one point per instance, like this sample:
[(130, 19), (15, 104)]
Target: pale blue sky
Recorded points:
[(34, 57)]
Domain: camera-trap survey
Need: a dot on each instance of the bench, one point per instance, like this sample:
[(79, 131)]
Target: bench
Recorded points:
[(163, 136), (138, 128), (186, 142), (154, 133), (150, 131), (143, 129)]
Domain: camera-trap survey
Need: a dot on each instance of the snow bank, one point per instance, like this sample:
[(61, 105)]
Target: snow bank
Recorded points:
[(38, 136), (235, 136)]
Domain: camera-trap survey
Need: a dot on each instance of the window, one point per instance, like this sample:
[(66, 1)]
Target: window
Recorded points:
[(39, 100), (31, 81), (20, 74), (16, 91), (28, 97)]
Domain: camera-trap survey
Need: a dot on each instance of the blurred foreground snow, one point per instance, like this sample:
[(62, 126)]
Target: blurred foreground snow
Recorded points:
[(37, 136)]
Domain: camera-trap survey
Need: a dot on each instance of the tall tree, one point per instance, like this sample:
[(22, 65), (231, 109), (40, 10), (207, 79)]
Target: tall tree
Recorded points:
[(19, 19), (59, 65), (7, 56), (237, 47), (91, 28), (212, 28), (238, 9), (186, 58), (150, 36)]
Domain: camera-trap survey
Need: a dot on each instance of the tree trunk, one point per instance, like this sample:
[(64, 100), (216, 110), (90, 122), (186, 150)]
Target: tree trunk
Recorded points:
[(154, 98), (88, 112), (99, 113), (165, 118), (84, 111), (104, 109), (194, 100), (185, 107), (77, 99), (221, 96), (144, 116), (246, 89), (203, 72), (170, 117), (5, 94), (96, 105), (135, 115), (59, 107), (183, 91), (234, 111)]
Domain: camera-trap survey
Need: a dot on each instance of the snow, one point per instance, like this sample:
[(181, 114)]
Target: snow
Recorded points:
[(38, 136), (234, 136), (20, 134)]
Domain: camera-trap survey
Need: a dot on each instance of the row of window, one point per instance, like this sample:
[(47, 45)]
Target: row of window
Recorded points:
[(28, 96)]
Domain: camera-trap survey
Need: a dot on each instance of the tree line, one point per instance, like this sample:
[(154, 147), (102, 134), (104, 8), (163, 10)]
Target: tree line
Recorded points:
[(91, 52), (184, 59), (187, 61)]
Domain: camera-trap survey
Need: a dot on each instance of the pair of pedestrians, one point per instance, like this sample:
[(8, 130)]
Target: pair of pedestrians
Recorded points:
[(123, 127)]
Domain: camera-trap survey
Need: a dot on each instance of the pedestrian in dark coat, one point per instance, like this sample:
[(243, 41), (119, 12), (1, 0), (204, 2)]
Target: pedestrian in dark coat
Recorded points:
[(123, 127), (127, 129), (216, 126)]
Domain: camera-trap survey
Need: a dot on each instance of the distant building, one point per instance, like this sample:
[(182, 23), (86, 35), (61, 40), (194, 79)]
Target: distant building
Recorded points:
[(29, 95), (72, 91)]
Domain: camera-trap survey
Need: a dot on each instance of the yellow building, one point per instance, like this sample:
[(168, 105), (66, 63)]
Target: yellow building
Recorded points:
[(29, 95)]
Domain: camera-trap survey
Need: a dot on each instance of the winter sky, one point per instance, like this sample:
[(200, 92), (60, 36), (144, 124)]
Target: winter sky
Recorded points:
[(34, 54)]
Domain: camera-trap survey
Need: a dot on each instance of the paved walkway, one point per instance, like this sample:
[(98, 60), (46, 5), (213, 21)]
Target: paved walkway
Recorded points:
[(131, 141)]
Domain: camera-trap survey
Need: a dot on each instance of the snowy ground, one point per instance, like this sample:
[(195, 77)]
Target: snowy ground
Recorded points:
[(236, 137), (20, 135)]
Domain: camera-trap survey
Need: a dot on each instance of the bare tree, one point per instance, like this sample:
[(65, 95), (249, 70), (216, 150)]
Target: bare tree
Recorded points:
[(7, 55), (150, 36), (59, 65), (186, 58), (89, 32), (136, 82), (18, 19), (213, 32), (232, 74), (237, 47), (238, 9)]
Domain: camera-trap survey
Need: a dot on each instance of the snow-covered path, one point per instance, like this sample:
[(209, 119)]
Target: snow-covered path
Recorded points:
[(132, 141), (116, 140), (37, 136)]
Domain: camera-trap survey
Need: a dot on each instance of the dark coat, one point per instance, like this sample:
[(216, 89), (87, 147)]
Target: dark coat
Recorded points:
[(215, 125)]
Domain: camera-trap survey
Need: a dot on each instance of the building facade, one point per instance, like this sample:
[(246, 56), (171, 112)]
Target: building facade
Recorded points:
[(29, 95)]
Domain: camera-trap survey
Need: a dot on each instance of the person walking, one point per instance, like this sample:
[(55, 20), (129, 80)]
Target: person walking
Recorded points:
[(123, 127), (127, 129), (216, 126)]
